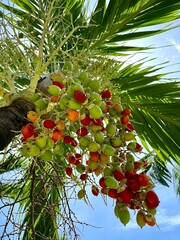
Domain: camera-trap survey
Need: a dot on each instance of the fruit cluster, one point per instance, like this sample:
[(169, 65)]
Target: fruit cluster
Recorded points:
[(92, 124)]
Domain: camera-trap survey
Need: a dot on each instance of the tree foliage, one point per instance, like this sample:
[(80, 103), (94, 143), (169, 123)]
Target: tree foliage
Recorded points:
[(36, 38)]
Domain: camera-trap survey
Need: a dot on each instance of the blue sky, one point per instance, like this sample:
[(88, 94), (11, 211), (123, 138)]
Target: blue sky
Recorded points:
[(107, 226)]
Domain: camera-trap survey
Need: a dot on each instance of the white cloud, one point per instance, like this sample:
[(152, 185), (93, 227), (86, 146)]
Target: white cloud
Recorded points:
[(174, 43)]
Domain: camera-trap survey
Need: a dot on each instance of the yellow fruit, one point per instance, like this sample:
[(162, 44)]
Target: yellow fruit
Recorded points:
[(140, 219)]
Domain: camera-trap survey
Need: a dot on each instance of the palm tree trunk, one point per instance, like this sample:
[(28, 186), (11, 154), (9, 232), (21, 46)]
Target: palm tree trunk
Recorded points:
[(13, 118)]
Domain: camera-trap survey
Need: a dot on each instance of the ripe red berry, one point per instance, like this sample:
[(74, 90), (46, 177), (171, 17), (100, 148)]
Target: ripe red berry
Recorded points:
[(118, 175), (126, 195), (80, 96), (95, 191), (113, 193), (126, 112), (74, 143), (72, 160), (48, 123), (106, 94), (138, 147), (59, 84), (97, 121), (69, 171), (68, 139), (130, 127), (28, 130), (133, 185), (102, 183), (82, 131), (86, 121), (152, 198), (143, 179), (124, 119), (83, 176)]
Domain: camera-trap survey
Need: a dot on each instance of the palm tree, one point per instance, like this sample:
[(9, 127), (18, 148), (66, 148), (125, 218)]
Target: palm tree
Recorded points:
[(37, 38)]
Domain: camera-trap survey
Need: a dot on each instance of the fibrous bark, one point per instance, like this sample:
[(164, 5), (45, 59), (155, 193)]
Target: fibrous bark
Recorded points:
[(13, 118)]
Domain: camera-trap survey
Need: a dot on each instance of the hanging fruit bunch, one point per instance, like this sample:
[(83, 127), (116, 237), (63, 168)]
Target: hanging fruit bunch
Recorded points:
[(100, 141)]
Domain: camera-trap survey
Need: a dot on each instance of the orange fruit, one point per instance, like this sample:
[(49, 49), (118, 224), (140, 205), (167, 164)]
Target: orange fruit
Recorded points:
[(60, 124), (56, 135), (32, 116), (54, 99), (72, 115)]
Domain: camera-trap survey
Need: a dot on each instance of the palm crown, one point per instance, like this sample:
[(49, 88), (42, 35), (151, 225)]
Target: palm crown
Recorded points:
[(37, 37)]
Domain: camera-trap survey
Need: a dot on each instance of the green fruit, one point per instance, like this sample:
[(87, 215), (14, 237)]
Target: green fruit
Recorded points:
[(95, 111), (129, 166), (50, 143), (24, 150), (86, 82), (41, 142), (84, 141), (95, 98), (108, 150), (116, 142), (63, 102), (117, 209), (115, 99), (130, 157), (128, 136), (131, 146), (54, 90), (61, 149), (140, 219), (80, 168), (112, 112), (95, 85), (42, 103), (33, 151), (110, 129), (94, 147), (95, 128), (124, 216), (93, 165), (83, 76), (68, 66), (111, 182), (107, 171), (72, 104), (99, 137), (81, 194), (103, 105), (47, 155)]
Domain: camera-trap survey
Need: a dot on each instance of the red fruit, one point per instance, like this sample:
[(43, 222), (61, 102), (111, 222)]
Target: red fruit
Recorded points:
[(94, 156), (48, 123), (143, 179), (69, 171), (74, 143), (130, 174), (80, 96), (138, 147), (72, 160), (95, 191), (68, 139), (59, 84), (130, 127), (113, 193), (109, 103), (106, 94), (35, 134), (28, 130), (133, 185), (150, 205), (102, 183), (86, 121), (78, 156), (136, 166), (126, 112), (118, 175), (152, 198), (82, 131), (124, 120), (97, 121), (126, 195), (83, 176)]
